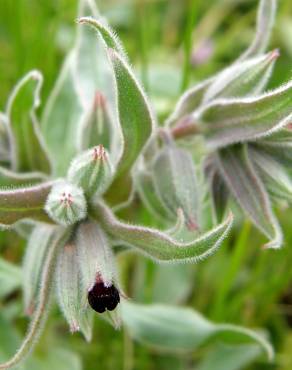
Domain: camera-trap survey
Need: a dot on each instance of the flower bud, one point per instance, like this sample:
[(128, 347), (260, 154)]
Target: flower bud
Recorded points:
[(97, 125), (92, 171), (66, 204)]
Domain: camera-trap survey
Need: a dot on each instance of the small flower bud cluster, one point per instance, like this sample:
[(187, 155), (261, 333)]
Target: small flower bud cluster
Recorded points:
[(89, 175)]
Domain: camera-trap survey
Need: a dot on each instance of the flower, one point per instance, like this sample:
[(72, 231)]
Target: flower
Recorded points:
[(66, 179)]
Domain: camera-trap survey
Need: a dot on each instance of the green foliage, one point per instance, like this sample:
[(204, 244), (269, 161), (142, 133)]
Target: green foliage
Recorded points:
[(225, 139)]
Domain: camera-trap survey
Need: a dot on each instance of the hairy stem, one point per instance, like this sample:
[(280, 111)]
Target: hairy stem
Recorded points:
[(184, 129)]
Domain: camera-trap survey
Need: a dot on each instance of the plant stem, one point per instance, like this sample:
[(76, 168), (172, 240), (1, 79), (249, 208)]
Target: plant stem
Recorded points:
[(184, 129), (128, 352)]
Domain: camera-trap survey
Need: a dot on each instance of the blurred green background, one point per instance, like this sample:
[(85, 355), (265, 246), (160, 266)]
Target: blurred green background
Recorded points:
[(172, 44)]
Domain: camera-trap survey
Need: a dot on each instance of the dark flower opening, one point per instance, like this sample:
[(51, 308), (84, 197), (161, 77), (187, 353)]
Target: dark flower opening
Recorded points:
[(102, 297)]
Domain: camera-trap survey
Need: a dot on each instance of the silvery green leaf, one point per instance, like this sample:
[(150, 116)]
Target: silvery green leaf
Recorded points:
[(134, 113), (218, 190), (174, 329), (189, 101), (179, 227), (43, 303), (95, 256), (175, 182), (71, 291), (55, 357), (158, 245), (94, 80), (192, 98), (230, 357), (37, 248), (275, 176), (248, 189), (10, 277), (10, 179), (92, 72), (24, 202), (143, 181), (92, 171), (4, 139), (265, 22), (278, 145), (248, 78), (97, 126), (59, 125), (229, 121), (108, 35), (25, 136), (179, 280), (24, 228), (85, 71), (66, 203), (282, 138)]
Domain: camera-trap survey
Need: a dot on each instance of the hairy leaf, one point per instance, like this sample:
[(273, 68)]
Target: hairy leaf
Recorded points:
[(36, 251), (175, 182), (110, 38), (59, 125), (10, 277), (26, 139), (4, 139), (248, 189), (189, 101), (23, 203), (278, 145), (230, 121), (134, 113), (182, 329), (265, 22), (230, 357), (219, 191), (274, 174), (242, 79), (71, 291), (85, 71), (10, 179), (145, 187), (160, 246), (43, 304), (181, 287), (92, 72)]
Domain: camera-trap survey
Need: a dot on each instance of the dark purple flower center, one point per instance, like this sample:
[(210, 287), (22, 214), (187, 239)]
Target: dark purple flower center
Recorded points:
[(102, 298)]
